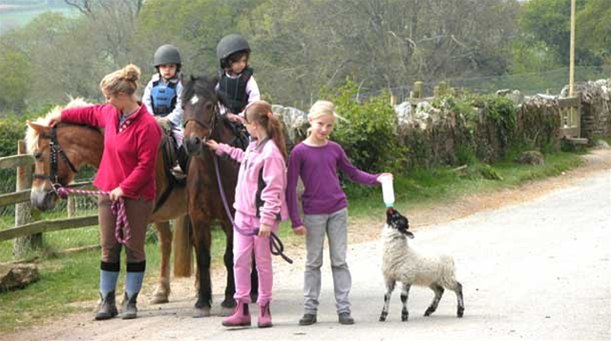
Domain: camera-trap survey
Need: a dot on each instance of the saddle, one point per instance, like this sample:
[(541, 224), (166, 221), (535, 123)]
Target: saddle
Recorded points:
[(241, 137), (171, 155)]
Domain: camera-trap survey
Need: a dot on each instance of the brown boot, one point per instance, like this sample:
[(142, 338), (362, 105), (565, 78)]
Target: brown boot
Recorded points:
[(107, 308)]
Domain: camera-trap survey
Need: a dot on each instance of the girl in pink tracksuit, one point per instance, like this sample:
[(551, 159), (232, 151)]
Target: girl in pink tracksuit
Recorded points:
[(259, 203)]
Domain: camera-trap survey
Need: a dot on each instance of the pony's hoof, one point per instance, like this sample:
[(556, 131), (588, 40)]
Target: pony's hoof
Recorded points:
[(159, 299), (201, 312), (228, 303), (225, 311)]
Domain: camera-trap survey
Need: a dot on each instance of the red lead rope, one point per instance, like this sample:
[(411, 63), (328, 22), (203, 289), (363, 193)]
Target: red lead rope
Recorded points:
[(118, 210)]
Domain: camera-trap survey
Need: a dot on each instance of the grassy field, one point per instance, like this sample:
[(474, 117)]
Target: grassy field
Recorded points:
[(17, 18), (68, 280)]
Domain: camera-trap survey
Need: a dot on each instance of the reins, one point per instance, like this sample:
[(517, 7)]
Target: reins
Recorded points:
[(275, 244), (117, 207), (56, 150)]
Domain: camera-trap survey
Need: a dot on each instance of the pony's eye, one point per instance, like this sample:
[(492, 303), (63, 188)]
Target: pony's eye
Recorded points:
[(38, 156)]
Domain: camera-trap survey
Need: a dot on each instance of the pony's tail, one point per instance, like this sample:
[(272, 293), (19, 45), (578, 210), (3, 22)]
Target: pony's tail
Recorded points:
[(183, 256)]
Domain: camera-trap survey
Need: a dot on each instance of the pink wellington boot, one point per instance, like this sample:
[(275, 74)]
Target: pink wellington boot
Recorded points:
[(240, 317), (265, 316)]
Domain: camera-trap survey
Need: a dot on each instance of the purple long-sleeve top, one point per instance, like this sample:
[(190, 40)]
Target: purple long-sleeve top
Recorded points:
[(317, 166)]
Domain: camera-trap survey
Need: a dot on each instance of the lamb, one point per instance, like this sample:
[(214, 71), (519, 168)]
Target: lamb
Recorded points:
[(400, 263)]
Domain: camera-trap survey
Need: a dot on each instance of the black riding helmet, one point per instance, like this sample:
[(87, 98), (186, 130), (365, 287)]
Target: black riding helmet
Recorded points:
[(167, 54), (229, 45)]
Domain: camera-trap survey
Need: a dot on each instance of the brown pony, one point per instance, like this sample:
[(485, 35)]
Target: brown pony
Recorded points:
[(202, 121), (78, 145)]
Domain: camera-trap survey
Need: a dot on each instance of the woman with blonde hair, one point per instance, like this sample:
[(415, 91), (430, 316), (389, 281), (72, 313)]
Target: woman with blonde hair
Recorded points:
[(127, 171), (316, 160)]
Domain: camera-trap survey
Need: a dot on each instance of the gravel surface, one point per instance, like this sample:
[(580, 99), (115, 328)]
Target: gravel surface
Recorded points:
[(532, 268)]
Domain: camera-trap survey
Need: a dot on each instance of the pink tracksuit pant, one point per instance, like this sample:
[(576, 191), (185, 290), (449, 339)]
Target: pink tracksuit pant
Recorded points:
[(242, 260)]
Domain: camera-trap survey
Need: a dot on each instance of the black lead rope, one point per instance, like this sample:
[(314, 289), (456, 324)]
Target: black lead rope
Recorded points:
[(275, 244), (277, 248)]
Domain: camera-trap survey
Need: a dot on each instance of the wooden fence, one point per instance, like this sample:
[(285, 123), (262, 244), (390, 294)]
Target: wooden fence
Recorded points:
[(28, 234), (570, 118)]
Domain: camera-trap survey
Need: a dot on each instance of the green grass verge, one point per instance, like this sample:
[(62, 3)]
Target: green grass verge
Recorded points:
[(67, 280), (422, 188)]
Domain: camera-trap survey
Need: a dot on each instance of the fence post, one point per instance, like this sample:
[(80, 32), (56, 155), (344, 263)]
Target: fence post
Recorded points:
[(23, 214), (577, 115), (443, 88), (71, 206), (393, 100), (418, 89)]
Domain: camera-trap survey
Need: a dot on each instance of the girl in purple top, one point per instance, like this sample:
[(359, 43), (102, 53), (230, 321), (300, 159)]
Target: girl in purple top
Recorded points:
[(316, 160)]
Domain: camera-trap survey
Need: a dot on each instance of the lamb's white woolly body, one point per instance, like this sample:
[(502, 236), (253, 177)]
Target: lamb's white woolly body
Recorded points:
[(402, 263)]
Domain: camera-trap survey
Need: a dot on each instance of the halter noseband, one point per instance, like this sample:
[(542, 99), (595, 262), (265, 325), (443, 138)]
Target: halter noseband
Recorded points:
[(206, 125), (55, 149)]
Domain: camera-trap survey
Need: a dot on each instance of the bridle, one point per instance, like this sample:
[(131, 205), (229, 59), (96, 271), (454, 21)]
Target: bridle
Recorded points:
[(55, 150), (192, 116)]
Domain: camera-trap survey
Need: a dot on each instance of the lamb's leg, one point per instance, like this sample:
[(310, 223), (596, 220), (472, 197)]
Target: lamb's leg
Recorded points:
[(438, 289), (461, 304), (390, 286), (404, 294)]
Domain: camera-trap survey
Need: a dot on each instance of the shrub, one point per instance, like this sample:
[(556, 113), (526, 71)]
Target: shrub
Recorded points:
[(369, 136)]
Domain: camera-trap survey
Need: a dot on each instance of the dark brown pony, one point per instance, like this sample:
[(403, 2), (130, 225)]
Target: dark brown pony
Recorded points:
[(202, 121), (78, 145)]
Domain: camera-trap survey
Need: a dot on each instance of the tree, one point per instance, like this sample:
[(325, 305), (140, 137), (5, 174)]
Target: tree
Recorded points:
[(593, 32), (377, 43), (548, 21), (16, 77), (194, 26)]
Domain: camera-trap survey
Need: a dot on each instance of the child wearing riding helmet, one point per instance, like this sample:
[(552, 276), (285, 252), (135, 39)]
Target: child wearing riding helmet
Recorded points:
[(260, 204), (162, 95), (316, 160), (237, 85)]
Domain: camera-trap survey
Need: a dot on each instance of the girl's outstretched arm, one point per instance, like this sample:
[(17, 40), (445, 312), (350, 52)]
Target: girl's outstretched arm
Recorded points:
[(221, 148), (356, 174)]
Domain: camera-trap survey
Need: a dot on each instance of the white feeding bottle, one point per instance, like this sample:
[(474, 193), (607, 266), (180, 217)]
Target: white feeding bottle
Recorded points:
[(388, 194)]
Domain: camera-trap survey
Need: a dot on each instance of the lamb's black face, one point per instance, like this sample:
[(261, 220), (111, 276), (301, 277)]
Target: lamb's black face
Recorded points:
[(397, 221)]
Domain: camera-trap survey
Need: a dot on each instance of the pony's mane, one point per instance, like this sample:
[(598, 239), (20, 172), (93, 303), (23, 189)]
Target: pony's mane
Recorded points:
[(32, 135), (202, 86)]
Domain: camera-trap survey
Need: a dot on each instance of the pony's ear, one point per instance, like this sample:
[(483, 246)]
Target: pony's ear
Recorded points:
[(36, 126)]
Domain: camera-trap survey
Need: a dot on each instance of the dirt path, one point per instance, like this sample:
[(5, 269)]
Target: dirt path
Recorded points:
[(534, 261)]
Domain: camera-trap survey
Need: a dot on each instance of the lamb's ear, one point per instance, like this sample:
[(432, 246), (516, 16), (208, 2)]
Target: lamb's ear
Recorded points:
[(409, 234)]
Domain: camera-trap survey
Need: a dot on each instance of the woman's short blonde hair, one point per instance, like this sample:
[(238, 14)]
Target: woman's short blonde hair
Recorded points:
[(124, 81)]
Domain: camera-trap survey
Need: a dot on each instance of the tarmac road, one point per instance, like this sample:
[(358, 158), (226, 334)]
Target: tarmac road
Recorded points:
[(533, 271)]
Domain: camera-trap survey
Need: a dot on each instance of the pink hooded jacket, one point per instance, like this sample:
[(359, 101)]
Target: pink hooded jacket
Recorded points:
[(261, 187)]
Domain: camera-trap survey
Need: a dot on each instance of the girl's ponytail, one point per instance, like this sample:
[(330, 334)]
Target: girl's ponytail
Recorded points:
[(261, 112), (274, 129)]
